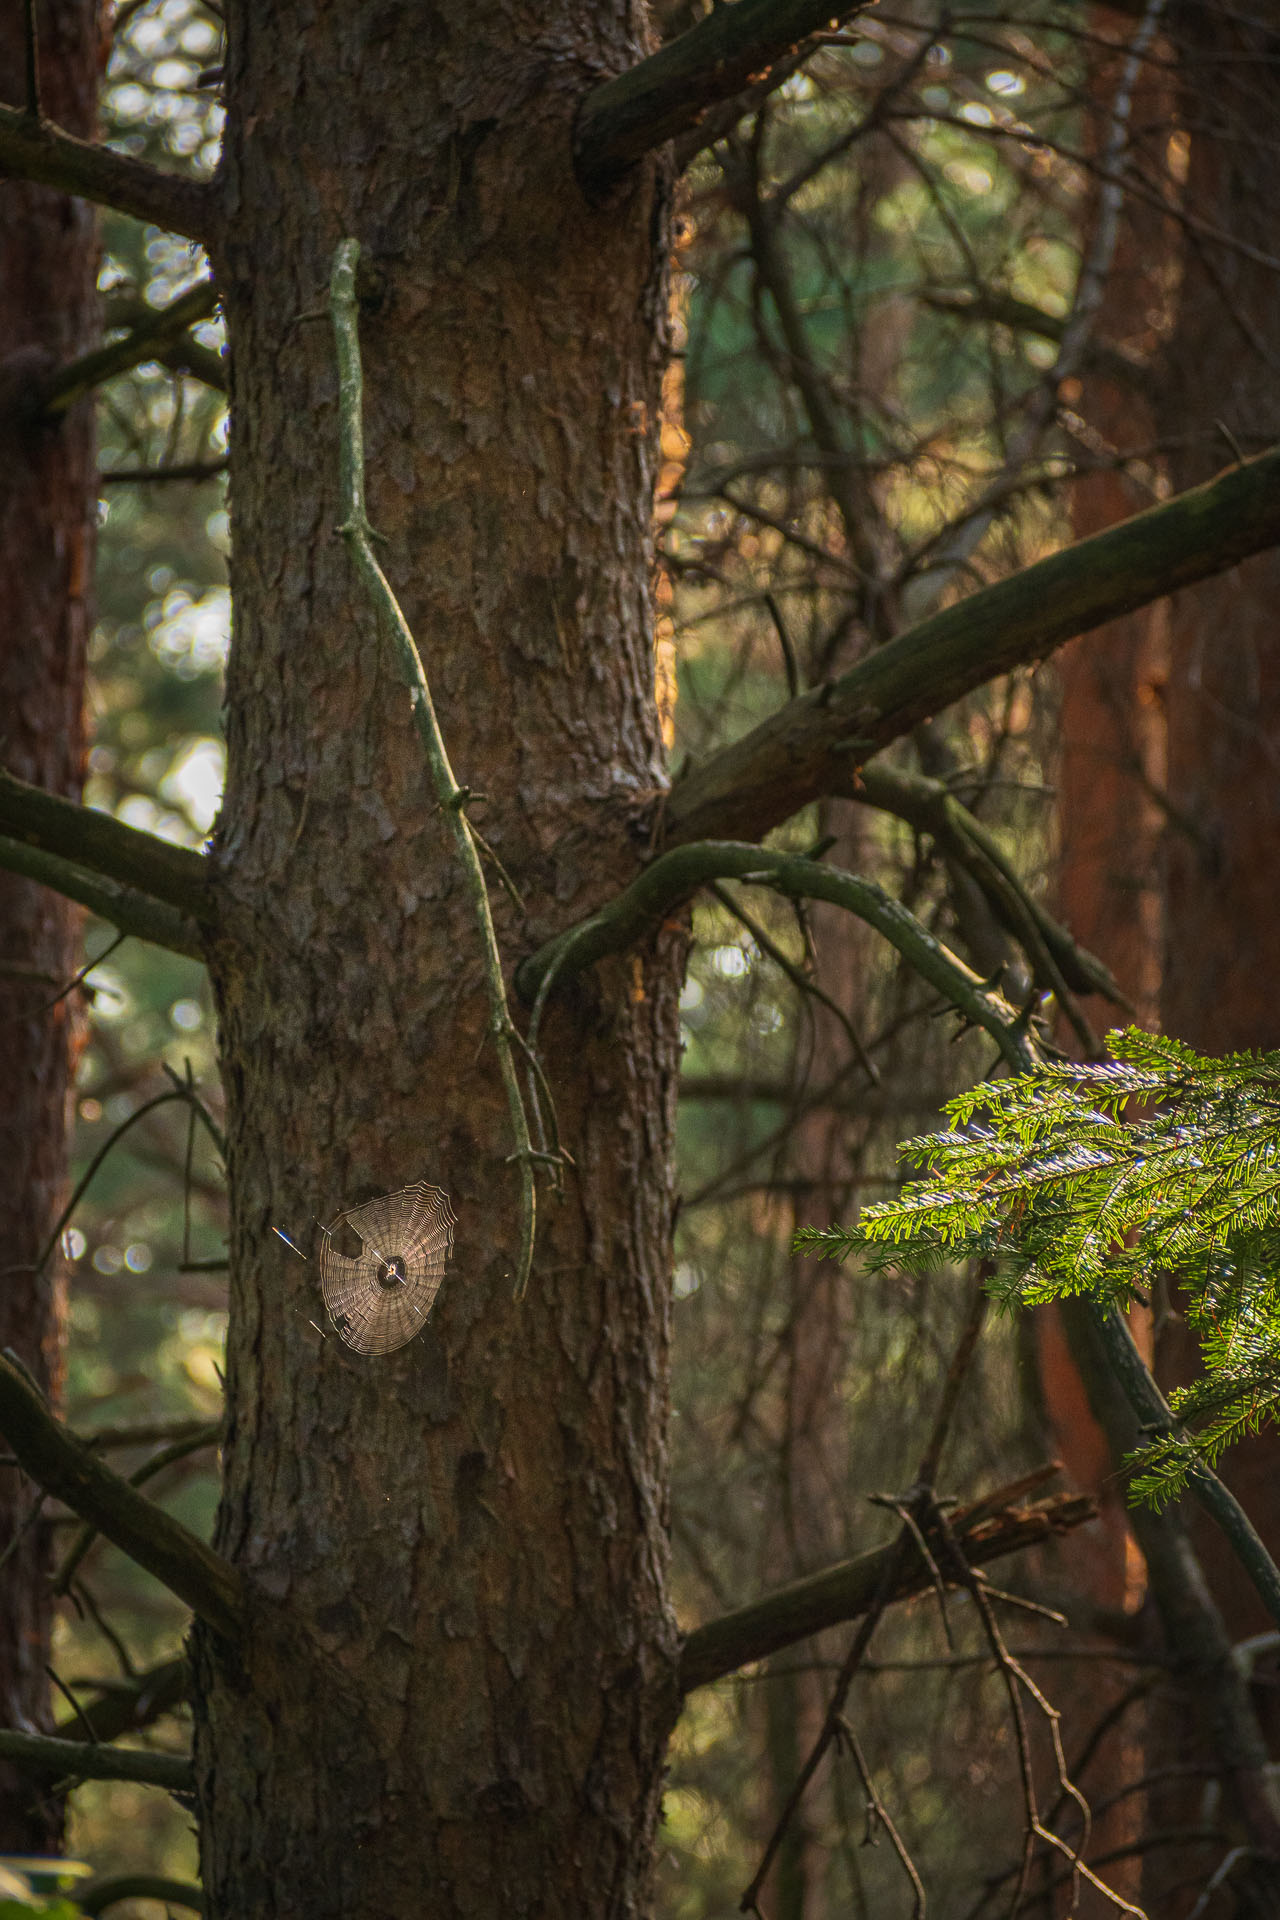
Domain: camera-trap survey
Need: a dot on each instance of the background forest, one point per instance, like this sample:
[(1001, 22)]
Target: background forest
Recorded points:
[(976, 280)]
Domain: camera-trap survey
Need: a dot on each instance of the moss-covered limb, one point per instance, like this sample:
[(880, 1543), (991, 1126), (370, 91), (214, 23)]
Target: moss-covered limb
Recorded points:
[(667, 94), (101, 1894), (674, 876), (78, 1760), (35, 150), (931, 806), (160, 335), (102, 844), (124, 907), (124, 1706), (453, 798), (814, 745), (63, 1466), (843, 1592)]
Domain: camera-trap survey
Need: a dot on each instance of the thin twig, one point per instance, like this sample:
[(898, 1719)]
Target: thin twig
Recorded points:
[(358, 533), (878, 1814)]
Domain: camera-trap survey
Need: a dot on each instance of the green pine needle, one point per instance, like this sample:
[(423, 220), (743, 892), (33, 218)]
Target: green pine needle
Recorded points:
[(1100, 1179)]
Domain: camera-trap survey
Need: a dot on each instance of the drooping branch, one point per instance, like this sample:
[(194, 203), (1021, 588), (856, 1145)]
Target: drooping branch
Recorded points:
[(78, 1760), (843, 1592), (674, 876), (160, 335), (35, 150), (64, 1467), (815, 745), (667, 94)]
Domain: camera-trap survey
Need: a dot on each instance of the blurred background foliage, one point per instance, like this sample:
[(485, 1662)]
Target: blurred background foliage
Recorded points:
[(870, 411)]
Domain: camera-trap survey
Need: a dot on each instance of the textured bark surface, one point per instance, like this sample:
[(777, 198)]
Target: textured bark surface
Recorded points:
[(459, 1678), (1223, 702), (48, 487)]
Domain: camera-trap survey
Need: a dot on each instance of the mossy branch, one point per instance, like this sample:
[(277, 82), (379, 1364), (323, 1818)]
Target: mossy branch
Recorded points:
[(358, 534), (32, 149), (843, 1592), (78, 1760), (667, 94), (816, 745), (64, 1467), (674, 876)]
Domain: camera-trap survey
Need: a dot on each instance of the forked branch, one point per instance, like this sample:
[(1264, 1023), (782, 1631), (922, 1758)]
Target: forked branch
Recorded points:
[(159, 335), (35, 150), (64, 1467)]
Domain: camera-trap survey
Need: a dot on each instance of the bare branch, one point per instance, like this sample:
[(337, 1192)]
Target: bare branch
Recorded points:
[(127, 908), (77, 1760), (124, 1706), (63, 1466), (35, 150), (843, 1592), (142, 884), (930, 805), (160, 336), (813, 746), (667, 94)]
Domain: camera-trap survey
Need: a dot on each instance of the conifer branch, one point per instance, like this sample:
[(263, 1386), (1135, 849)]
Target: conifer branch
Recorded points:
[(37, 151), (667, 94), (64, 1467), (816, 745), (79, 1760), (986, 1531)]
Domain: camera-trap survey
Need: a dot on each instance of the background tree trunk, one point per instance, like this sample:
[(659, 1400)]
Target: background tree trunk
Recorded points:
[(459, 1678), (48, 315)]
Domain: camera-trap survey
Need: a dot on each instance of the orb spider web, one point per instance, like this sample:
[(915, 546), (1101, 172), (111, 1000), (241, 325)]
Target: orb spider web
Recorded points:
[(380, 1300)]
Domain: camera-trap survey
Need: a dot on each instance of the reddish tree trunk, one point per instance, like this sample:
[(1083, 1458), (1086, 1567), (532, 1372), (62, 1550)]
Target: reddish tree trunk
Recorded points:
[(458, 1678), (48, 314)]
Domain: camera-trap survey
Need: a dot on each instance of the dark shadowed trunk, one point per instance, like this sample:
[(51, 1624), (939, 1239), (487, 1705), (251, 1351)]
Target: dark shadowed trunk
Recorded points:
[(458, 1679), (48, 484)]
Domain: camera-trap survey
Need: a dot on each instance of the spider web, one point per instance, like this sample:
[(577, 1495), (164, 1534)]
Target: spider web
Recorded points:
[(380, 1300)]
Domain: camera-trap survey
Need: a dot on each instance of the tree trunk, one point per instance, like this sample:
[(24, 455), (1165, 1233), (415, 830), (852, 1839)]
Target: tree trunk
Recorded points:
[(458, 1678), (48, 314)]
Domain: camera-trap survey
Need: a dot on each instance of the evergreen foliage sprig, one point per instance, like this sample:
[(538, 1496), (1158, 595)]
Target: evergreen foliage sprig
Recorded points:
[(1101, 1180)]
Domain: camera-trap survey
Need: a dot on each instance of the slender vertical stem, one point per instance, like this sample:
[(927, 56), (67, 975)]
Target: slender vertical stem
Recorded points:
[(358, 534)]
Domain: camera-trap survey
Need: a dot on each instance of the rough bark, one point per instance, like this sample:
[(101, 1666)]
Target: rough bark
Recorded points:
[(48, 315), (459, 1673)]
